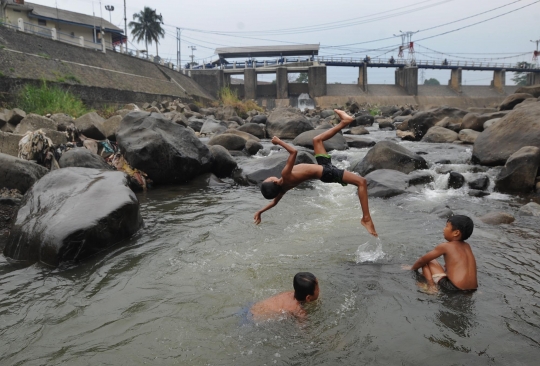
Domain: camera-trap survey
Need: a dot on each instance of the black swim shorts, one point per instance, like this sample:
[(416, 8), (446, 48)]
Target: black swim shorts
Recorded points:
[(445, 284), (330, 173)]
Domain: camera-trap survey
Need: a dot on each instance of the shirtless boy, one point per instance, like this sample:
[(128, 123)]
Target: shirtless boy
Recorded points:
[(292, 175), (460, 273), (306, 289)]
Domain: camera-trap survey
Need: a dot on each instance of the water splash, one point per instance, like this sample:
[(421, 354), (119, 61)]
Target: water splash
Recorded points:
[(370, 251), (304, 101)]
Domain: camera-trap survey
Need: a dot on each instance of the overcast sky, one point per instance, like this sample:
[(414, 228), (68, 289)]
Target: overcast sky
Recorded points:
[(339, 22)]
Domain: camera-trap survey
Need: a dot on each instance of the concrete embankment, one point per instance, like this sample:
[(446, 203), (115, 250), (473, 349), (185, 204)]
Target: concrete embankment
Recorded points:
[(29, 57)]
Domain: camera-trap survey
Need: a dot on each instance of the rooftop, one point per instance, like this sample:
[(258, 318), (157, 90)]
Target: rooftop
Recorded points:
[(268, 51)]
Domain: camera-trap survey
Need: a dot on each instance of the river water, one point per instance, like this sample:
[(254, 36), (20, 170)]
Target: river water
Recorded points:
[(177, 292)]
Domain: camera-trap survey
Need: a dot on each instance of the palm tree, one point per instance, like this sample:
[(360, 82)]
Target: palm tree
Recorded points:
[(146, 25)]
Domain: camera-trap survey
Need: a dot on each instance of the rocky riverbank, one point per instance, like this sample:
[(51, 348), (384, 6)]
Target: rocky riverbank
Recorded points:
[(65, 181)]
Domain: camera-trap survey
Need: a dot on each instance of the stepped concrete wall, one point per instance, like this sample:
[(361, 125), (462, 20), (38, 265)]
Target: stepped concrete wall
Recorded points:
[(29, 57)]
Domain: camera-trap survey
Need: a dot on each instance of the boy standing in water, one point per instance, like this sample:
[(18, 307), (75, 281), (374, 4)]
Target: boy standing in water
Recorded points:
[(460, 273), (292, 175), (306, 289)]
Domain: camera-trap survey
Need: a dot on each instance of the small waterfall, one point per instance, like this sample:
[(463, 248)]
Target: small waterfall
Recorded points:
[(304, 101)]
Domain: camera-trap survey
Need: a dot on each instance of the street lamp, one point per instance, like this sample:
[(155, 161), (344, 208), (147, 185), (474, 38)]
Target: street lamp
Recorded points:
[(110, 9)]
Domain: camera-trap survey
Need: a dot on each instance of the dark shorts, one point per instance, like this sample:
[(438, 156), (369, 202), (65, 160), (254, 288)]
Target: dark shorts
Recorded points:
[(330, 173), (445, 284)]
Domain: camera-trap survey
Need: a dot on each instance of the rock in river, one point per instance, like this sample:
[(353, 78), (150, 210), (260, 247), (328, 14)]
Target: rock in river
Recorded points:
[(223, 164), (497, 218), (83, 158), (389, 155), (166, 151), (18, 173), (305, 139), (385, 183), (71, 214), (519, 173), (287, 123)]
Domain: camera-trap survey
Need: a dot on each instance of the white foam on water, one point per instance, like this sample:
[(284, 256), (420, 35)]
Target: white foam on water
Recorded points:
[(370, 251)]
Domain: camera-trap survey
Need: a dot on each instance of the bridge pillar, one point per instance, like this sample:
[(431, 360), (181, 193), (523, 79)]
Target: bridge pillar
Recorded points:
[(317, 81), (407, 78), (499, 80), (226, 79), (362, 77), (533, 78), (250, 83), (282, 83), (455, 79)]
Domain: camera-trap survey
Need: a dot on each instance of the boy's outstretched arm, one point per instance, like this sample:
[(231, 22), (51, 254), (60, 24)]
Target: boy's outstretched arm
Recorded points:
[(292, 157), (257, 217), (428, 257)]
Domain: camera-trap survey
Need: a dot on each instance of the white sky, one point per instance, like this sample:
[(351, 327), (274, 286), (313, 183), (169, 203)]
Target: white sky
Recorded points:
[(506, 36)]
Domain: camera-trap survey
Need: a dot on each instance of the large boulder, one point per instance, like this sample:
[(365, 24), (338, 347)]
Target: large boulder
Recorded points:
[(18, 173), (225, 113), (474, 121), (83, 158), (305, 139), (255, 171), (468, 136), (358, 130), (480, 183), (520, 171), (166, 151), (534, 90), (440, 134), (363, 120), (245, 135), (34, 122), (253, 147), (512, 100), (228, 141), (254, 129), (389, 155), (259, 119), (71, 214), (211, 127), (519, 128), (91, 125), (327, 113), (223, 164), (111, 127), (385, 183), (287, 123), (421, 122), (195, 123), (359, 142), (456, 180)]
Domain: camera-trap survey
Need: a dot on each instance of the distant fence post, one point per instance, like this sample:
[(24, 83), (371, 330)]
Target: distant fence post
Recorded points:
[(81, 41), (121, 48), (53, 34), (20, 23), (103, 47), (138, 54)]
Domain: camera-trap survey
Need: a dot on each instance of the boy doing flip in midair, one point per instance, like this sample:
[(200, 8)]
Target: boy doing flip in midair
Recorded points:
[(292, 175)]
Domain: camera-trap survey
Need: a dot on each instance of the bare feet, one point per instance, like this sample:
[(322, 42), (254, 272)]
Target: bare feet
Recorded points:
[(345, 118), (368, 224), (427, 288)]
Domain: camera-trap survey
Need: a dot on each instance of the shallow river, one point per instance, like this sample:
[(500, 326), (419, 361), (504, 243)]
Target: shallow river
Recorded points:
[(177, 292)]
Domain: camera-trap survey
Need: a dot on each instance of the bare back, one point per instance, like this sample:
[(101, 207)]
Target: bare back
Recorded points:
[(460, 264), (280, 304), (300, 173)]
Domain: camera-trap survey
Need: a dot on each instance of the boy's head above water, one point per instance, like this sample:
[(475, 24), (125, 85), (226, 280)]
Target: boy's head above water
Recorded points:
[(306, 287), (458, 228), (270, 188)]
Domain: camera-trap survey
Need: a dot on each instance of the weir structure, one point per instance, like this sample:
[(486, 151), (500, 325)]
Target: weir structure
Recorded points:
[(305, 58)]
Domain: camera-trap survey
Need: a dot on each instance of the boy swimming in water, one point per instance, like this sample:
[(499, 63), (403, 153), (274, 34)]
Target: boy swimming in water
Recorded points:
[(292, 175), (460, 272), (306, 289)]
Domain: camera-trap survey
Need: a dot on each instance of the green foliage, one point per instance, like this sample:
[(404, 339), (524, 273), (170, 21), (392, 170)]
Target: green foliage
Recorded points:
[(49, 99), (2, 47), (302, 78), (1, 74), (375, 111), (520, 78), (11, 69), (432, 81), (44, 55), (107, 111), (146, 26)]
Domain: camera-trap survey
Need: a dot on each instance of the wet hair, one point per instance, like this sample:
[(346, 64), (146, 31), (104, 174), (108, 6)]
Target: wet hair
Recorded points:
[(270, 190), (462, 223), (304, 284)]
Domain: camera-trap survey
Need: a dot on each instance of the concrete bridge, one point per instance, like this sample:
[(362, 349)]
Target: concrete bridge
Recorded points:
[(214, 76)]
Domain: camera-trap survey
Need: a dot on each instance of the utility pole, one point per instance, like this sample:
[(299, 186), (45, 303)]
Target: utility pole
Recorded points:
[(125, 22), (178, 49), (407, 44), (193, 48), (535, 57)]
